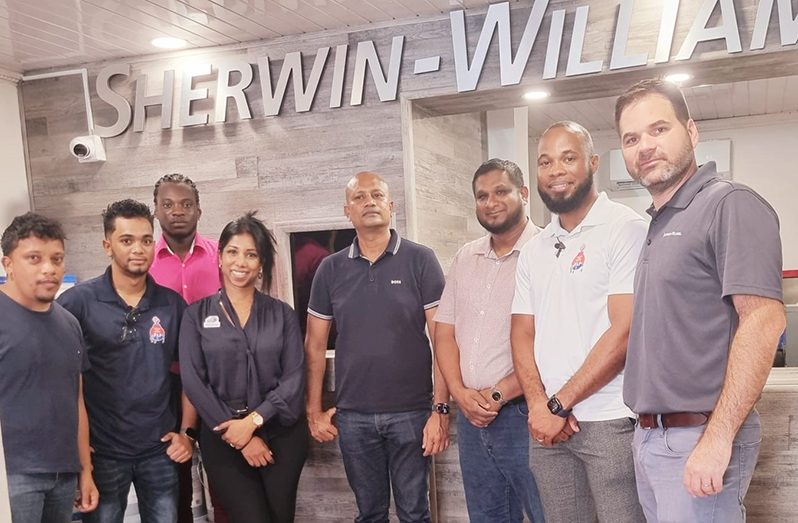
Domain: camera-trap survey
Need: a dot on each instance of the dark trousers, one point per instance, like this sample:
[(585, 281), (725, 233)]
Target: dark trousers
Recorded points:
[(257, 494)]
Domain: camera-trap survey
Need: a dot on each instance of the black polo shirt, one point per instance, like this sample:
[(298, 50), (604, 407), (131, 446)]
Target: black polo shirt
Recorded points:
[(41, 358), (383, 361), (127, 390)]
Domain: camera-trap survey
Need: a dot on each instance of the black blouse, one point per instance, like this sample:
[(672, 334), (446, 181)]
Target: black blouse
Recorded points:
[(260, 366)]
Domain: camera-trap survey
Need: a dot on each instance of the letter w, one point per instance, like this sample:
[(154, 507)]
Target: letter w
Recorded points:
[(497, 15), (292, 66)]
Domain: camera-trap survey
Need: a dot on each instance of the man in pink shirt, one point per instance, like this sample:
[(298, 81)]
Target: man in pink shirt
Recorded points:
[(185, 261), (188, 264)]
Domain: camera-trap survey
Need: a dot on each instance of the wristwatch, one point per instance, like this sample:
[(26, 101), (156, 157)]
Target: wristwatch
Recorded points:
[(556, 408), (257, 419), (497, 396), (189, 432), (441, 408)]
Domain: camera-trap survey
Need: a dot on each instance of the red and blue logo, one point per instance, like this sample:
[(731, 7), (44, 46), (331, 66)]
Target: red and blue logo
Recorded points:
[(157, 332), (578, 263)]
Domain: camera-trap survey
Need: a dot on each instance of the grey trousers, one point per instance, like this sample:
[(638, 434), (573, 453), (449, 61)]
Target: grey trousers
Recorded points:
[(591, 475), (660, 456)]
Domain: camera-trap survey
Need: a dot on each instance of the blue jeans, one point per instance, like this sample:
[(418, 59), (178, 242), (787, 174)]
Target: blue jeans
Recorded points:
[(42, 498), (499, 486), (382, 452), (660, 456), (156, 483)]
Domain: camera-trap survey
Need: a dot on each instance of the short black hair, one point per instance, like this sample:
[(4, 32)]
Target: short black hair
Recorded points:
[(669, 90), (178, 179), (264, 242), (27, 225), (497, 164), (124, 209)]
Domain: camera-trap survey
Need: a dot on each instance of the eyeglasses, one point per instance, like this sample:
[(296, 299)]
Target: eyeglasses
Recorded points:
[(129, 327)]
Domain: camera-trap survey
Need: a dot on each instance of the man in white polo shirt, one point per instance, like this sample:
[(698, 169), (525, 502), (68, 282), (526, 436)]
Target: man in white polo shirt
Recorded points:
[(570, 324)]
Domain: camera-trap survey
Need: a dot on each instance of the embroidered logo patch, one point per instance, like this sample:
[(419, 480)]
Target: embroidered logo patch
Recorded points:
[(157, 332), (672, 233), (579, 260), (396, 282), (211, 322)]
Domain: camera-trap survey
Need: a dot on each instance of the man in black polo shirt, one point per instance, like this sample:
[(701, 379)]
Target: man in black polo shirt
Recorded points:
[(381, 291), (130, 326), (45, 432), (707, 317)]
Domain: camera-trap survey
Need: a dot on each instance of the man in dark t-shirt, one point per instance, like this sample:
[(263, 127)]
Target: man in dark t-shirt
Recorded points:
[(130, 326), (382, 292), (43, 418)]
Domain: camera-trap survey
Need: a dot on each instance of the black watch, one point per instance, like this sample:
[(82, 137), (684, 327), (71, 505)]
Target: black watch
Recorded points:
[(190, 432), (556, 408), (441, 408)]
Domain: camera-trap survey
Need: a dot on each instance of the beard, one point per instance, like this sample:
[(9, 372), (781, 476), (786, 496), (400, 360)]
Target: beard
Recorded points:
[(672, 173), (567, 204), (513, 219)]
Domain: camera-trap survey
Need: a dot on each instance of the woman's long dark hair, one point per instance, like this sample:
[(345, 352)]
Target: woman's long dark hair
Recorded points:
[(264, 242)]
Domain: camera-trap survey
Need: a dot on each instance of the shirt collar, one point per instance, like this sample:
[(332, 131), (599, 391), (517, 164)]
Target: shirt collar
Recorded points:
[(107, 292), (392, 248), (483, 246), (198, 242), (598, 214), (705, 174)]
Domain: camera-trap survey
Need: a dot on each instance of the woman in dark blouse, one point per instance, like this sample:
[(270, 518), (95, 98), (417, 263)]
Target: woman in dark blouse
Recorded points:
[(242, 361)]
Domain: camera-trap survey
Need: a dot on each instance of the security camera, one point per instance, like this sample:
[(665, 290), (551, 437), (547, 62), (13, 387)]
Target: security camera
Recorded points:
[(87, 148)]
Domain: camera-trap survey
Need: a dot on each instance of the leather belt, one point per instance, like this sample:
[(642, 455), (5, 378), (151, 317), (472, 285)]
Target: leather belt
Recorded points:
[(673, 420)]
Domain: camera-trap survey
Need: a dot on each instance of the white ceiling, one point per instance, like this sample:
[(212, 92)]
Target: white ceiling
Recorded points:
[(706, 102), (37, 34)]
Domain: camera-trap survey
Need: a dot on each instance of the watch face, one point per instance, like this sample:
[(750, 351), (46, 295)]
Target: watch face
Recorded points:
[(258, 420), (496, 395), (554, 405)]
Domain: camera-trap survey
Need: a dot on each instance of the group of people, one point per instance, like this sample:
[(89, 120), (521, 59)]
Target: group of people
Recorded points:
[(603, 367)]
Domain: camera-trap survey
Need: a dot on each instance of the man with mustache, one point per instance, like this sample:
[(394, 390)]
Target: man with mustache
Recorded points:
[(42, 412), (130, 326), (708, 314), (571, 315), (472, 348)]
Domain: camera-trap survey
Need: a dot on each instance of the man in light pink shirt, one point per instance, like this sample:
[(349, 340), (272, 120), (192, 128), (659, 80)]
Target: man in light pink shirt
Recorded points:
[(188, 264), (185, 261), (472, 348)]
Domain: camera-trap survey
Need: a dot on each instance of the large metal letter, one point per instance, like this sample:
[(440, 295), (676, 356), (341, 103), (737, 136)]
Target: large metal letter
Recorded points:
[(575, 64), (337, 91), (224, 90), (107, 95), (670, 8), (387, 85), (188, 95), (619, 59), (788, 26), (700, 33), (164, 100), (554, 43), (292, 68)]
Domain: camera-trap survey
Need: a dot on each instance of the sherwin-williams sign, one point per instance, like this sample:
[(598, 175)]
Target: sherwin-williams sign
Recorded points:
[(234, 76)]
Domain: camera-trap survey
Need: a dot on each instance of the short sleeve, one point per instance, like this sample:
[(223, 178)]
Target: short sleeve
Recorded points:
[(320, 304), (745, 238), (447, 310), (627, 243), (432, 280), (524, 299)]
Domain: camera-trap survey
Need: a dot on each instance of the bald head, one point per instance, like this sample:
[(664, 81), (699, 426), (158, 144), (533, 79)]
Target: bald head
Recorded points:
[(578, 130), (365, 178)]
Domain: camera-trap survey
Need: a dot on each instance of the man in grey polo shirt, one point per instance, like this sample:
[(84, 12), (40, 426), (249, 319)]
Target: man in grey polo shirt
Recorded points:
[(707, 317), (382, 292)]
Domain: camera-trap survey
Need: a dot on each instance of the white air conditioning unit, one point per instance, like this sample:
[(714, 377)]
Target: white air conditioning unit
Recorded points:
[(718, 151)]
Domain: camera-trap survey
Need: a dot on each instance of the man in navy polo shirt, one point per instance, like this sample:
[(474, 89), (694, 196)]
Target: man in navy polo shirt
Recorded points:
[(382, 292), (130, 326)]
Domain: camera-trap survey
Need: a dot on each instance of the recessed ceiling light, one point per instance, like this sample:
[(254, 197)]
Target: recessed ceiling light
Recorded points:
[(167, 42), (536, 95), (677, 78)]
